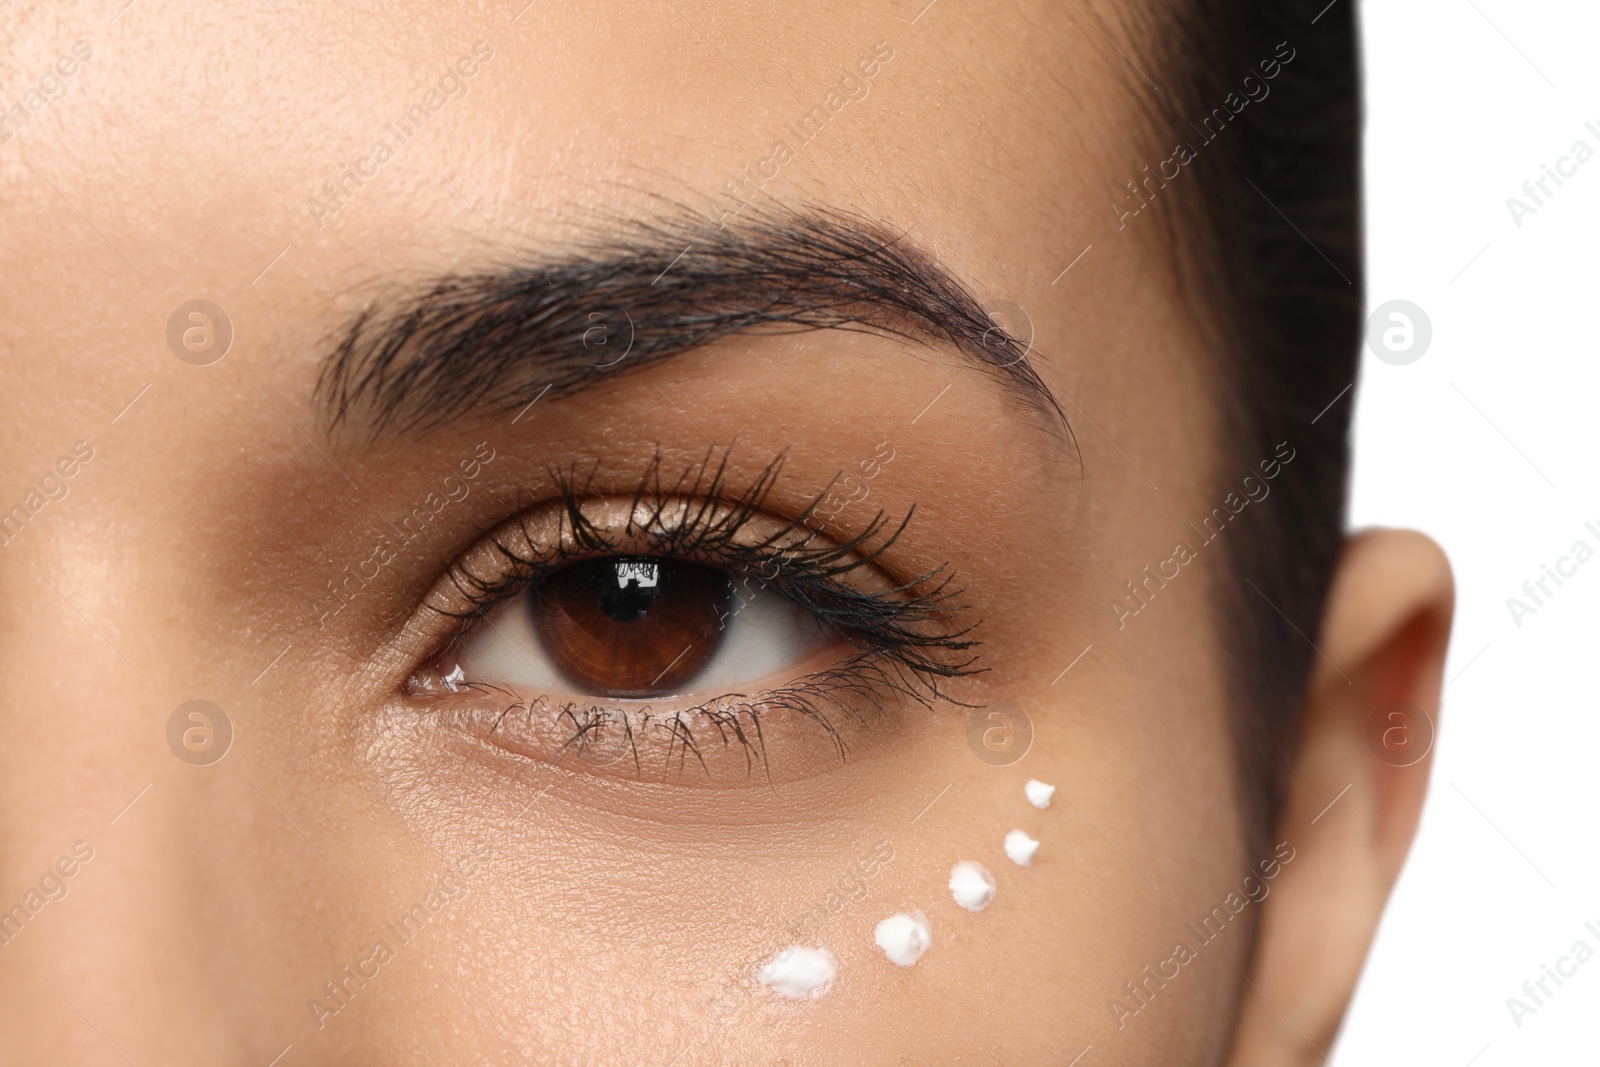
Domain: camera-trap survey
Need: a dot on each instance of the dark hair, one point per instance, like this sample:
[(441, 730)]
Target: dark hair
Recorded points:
[(1267, 227)]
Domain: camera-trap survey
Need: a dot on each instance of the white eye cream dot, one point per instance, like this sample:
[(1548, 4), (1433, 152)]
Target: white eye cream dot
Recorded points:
[(1039, 793), (904, 937), (1020, 847), (971, 885), (799, 972)]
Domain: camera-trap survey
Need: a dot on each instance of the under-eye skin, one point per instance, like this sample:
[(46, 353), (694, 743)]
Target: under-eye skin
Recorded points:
[(683, 632)]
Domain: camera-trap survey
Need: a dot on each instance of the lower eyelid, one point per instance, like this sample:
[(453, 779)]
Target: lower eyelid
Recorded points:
[(796, 731)]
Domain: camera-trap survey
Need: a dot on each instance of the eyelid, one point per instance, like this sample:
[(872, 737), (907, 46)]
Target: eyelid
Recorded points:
[(830, 577), (546, 536), (786, 733), (729, 533)]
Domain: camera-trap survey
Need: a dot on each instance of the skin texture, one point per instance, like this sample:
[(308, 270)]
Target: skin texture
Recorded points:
[(601, 917)]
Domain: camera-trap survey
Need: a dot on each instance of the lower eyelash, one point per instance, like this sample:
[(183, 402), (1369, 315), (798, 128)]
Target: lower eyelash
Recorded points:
[(600, 735)]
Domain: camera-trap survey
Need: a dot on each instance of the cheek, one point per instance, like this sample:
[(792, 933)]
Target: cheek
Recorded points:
[(680, 895)]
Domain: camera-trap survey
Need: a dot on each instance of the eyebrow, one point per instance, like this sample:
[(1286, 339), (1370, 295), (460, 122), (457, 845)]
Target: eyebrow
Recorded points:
[(640, 292)]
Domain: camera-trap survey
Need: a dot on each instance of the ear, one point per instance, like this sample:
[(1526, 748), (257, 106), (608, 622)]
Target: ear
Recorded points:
[(1367, 731)]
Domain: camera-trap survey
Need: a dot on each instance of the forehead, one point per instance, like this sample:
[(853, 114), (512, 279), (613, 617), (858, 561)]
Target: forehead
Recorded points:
[(202, 141), (280, 161)]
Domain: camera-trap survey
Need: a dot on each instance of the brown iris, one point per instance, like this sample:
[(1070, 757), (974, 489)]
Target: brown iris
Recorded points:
[(627, 627)]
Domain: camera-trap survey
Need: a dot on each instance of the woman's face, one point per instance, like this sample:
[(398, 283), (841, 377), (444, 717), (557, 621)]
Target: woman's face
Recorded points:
[(462, 816)]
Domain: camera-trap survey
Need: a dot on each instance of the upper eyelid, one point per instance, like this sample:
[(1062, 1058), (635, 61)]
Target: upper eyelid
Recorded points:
[(700, 507), (758, 560)]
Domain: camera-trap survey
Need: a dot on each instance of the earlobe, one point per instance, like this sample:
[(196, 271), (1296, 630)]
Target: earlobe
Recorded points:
[(1367, 729)]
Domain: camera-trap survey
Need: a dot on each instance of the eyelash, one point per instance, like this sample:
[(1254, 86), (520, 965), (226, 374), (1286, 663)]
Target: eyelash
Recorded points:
[(910, 637)]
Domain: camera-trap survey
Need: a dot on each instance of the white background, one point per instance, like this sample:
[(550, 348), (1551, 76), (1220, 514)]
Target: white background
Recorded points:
[(1488, 443)]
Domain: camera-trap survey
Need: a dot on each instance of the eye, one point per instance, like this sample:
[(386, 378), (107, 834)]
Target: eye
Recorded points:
[(683, 631), (639, 628)]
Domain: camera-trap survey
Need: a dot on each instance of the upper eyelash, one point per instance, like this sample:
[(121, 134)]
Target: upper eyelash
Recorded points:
[(698, 517)]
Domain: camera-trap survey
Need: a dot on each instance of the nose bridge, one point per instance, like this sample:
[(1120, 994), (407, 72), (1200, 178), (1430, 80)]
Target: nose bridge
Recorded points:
[(129, 801), (95, 663)]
